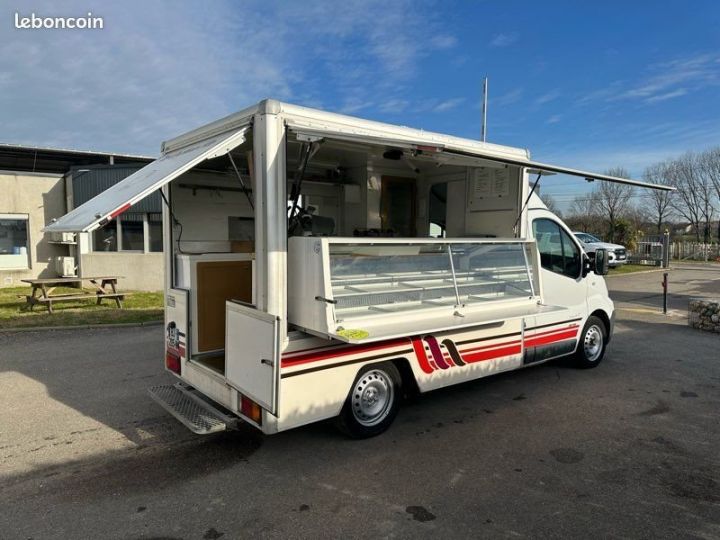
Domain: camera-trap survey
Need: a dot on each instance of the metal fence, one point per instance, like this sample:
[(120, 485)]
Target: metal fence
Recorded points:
[(651, 251), (695, 251)]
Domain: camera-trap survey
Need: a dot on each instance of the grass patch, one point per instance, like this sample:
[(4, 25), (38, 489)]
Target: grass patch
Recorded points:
[(137, 307), (631, 269)]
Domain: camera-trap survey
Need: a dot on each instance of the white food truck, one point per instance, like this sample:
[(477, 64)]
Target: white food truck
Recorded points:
[(322, 266)]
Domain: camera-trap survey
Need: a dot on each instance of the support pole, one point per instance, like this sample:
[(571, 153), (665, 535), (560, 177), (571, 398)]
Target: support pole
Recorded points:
[(484, 110), (665, 291)]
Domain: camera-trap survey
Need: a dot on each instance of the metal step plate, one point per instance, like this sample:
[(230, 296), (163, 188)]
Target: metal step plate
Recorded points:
[(197, 415)]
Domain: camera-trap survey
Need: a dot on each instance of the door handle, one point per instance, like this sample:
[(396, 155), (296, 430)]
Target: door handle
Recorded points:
[(267, 362)]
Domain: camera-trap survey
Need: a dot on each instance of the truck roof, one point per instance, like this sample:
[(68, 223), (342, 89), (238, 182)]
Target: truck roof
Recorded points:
[(299, 116)]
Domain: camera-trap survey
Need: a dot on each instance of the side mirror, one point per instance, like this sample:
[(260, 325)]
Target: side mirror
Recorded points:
[(601, 262)]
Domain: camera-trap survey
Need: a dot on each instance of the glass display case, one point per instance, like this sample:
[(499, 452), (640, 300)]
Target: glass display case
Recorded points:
[(340, 287)]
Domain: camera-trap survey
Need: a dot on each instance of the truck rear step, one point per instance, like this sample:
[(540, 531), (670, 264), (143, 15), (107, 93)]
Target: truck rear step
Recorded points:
[(197, 414)]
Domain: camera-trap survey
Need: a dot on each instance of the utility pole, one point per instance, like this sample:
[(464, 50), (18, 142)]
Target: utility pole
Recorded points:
[(483, 132)]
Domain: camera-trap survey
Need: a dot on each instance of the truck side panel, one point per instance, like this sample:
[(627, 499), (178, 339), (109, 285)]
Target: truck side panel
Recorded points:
[(316, 376)]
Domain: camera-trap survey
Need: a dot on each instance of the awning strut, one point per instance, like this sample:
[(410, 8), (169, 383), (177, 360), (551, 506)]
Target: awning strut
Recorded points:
[(117, 199)]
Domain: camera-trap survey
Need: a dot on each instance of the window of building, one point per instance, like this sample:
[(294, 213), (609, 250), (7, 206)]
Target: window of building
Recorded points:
[(14, 244), (155, 237), (558, 253), (106, 238), (132, 231)]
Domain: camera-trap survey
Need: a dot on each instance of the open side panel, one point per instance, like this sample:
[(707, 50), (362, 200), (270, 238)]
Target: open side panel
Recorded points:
[(176, 327), (117, 199), (252, 354)]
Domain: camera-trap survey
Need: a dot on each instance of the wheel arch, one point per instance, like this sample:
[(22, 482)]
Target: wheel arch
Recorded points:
[(410, 385), (605, 318)]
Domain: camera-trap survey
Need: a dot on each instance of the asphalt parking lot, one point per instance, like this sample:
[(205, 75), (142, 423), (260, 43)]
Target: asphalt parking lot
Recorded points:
[(630, 449)]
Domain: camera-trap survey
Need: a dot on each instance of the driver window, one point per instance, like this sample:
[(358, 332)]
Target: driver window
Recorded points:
[(558, 253)]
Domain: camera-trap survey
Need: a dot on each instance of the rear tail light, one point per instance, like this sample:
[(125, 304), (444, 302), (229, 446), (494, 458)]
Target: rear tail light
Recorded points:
[(172, 362), (250, 409)]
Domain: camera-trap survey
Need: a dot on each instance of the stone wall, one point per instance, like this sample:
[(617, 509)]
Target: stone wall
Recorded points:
[(704, 315)]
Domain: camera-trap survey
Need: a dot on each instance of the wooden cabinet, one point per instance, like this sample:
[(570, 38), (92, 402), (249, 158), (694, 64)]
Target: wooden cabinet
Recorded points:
[(212, 279), (218, 282)]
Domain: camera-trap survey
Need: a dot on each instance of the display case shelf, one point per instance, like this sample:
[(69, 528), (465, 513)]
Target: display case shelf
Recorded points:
[(341, 283)]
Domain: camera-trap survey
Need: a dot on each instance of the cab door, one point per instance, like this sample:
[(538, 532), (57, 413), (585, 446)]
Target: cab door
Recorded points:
[(556, 334)]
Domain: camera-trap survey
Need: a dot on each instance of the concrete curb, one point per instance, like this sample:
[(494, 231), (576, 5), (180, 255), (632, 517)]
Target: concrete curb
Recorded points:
[(78, 327)]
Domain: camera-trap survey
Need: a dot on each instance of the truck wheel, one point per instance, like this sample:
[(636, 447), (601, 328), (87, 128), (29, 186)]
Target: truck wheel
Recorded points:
[(372, 403), (593, 341)]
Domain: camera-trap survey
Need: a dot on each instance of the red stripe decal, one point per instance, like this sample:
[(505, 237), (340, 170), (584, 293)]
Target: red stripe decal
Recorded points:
[(314, 357), (544, 340), (473, 349), (421, 355), (492, 354), (563, 329)]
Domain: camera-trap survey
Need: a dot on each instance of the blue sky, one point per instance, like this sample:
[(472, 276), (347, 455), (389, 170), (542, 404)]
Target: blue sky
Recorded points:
[(591, 85)]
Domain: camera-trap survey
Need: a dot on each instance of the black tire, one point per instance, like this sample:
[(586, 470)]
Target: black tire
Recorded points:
[(381, 383), (592, 344)]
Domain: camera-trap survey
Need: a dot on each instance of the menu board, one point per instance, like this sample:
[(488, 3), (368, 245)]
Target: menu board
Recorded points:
[(491, 183)]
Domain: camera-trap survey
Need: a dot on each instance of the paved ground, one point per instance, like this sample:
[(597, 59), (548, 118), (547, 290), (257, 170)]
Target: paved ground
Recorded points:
[(627, 450)]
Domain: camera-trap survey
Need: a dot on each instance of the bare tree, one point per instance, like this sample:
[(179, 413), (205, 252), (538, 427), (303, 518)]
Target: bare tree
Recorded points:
[(614, 199), (660, 207), (551, 203), (683, 173), (584, 214), (709, 162)]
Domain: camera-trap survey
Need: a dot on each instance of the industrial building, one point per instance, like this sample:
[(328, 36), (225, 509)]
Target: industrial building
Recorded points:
[(38, 185)]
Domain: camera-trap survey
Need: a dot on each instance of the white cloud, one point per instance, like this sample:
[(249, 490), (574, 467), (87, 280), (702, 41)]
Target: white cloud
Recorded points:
[(669, 95), (160, 68), (448, 104), (443, 41), (513, 96), (395, 105), (554, 119), (504, 40), (548, 97), (664, 80)]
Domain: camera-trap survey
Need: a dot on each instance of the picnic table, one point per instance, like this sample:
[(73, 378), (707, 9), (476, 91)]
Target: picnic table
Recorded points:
[(42, 290)]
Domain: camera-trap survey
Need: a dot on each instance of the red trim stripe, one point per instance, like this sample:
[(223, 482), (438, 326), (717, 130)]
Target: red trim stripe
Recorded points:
[(314, 357), (120, 210), (544, 340), (494, 345), (492, 354), (564, 328), (473, 354)]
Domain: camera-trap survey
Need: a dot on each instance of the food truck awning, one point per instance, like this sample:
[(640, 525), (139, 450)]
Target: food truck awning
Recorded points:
[(449, 148), (117, 199)]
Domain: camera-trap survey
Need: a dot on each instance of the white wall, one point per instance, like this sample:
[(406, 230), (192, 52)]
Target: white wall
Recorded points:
[(204, 214), (137, 271), (42, 198)]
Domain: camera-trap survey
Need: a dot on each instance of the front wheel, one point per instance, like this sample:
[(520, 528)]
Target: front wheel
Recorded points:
[(593, 342), (372, 403)]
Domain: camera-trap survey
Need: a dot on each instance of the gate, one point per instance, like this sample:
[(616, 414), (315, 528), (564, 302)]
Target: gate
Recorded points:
[(652, 251)]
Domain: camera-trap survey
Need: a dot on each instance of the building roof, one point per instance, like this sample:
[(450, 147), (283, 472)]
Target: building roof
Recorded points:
[(18, 157)]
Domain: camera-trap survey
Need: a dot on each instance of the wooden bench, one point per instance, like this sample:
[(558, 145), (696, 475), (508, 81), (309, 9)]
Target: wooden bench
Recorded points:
[(45, 287)]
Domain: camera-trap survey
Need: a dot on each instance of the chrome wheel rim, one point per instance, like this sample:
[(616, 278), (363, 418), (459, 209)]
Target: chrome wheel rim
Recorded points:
[(372, 398), (593, 343)]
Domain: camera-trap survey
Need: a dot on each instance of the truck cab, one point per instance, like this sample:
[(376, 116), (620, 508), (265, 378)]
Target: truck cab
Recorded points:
[(322, 266)]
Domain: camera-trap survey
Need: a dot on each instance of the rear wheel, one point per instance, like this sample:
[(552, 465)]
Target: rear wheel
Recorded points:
[(593, 342), (373, 401)]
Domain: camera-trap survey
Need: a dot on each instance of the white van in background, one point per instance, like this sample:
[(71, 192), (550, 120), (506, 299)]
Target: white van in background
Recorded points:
[(617, 254), (302, 282)]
